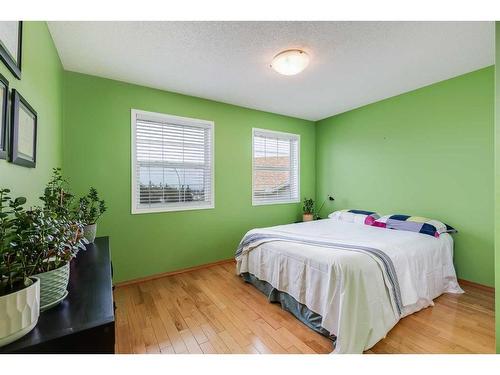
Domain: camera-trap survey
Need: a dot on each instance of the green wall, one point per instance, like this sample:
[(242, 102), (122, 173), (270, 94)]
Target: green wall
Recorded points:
[(41, 86), (497, 181), (428, 152), (97, 152)]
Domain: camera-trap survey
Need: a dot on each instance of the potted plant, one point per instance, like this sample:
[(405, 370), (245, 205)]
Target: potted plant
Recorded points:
[(57, 197), (19, 291), (49, 245), (308, 209), (53, 234), (58, 201), (90, 209)]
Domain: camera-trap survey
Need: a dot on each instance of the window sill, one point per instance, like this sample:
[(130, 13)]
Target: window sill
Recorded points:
[(274, 202), (153, 210)]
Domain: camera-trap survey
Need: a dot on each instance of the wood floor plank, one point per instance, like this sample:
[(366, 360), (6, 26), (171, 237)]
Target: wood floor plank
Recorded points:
[(123, 338), (293, 350), (219, 345), (135, 323), (259, 345), (150, 341), (282, 340), (230, 327), (230, 342), (189, 340), (296, 342), (250, 349), (207, 348), (159, 331), (173, 334), (168, 350), (198, 333), (212, 310)]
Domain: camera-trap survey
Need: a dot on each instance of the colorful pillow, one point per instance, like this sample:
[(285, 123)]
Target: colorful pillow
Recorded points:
[(413, 224), (355, 216)]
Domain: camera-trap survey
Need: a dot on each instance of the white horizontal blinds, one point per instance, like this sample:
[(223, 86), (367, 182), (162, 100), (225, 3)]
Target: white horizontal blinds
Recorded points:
[(275, 167), (173, 163)]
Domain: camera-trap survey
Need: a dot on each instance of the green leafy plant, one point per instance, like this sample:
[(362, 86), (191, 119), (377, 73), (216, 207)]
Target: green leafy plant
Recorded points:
[(53, 232), (58, 201), (44, 242), (91, 207), (14, 275), (57, 197), (40, 239), (308, 207)]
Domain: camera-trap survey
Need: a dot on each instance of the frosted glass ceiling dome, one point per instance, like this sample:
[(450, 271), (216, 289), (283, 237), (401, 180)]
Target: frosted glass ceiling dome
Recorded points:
[(290, 62)]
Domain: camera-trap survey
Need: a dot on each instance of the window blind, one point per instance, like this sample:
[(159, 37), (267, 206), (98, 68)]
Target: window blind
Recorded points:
[(172, 163), (275, 167)]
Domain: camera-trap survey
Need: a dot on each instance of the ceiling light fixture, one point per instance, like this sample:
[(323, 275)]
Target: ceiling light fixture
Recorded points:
[(290, 62)]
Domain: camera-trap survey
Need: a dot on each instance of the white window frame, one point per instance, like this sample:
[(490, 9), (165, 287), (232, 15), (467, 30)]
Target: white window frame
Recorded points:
[(154, 116), (285, 135)]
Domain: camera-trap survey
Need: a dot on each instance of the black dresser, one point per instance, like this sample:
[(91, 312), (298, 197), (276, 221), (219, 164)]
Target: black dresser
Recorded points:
[(84, 322)]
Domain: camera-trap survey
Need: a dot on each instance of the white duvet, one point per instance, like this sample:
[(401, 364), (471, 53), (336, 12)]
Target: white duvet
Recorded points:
[(349, 289)]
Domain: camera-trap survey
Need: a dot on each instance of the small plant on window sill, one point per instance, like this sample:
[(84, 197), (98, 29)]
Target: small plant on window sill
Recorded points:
[(308, 209)]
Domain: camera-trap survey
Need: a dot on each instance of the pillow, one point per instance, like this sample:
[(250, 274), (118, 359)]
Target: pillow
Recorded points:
[(414, 224), (355, 216)]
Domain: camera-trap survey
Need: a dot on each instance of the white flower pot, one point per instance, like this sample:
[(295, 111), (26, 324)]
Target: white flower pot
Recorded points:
[(53, 285), (89, 232), (19, 312)]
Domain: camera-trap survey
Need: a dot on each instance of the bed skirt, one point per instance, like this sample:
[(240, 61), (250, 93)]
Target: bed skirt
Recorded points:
[(290, 304)]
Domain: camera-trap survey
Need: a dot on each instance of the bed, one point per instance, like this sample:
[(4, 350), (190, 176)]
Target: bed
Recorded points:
[(349, 281)]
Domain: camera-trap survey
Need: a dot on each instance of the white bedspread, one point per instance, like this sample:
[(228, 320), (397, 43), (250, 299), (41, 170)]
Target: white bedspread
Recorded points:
[(347, 288)]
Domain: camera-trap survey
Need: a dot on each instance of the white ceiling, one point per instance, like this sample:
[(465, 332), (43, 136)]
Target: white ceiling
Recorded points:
[(352, 63)]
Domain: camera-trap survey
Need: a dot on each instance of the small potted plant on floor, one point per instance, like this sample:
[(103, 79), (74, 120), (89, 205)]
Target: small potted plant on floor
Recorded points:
[(19, 291), (308, 209), (90, 209)]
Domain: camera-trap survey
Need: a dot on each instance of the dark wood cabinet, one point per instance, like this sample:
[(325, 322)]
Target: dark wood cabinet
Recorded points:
[(84, 322)]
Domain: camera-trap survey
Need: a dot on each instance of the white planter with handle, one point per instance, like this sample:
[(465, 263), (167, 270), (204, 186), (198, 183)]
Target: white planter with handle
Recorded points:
[(19, 312)]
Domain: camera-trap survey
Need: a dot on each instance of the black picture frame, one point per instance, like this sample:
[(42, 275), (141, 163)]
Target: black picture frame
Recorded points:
[(4, 109), (13, 62), (19, 105)]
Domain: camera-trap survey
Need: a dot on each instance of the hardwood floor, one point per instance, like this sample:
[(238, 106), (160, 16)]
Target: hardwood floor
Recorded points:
[(213, 311)]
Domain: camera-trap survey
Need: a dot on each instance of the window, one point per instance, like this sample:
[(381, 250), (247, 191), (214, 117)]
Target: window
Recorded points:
[(172, 163), (275, 167)]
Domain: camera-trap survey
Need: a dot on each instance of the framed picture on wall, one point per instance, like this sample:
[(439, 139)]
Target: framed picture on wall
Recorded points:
[(11, 38), (4, 100), (22, 132)]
